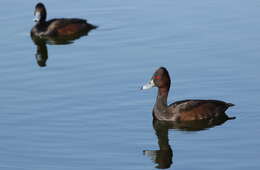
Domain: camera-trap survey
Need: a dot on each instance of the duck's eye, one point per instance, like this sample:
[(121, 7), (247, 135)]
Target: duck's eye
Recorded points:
[(157, 77)]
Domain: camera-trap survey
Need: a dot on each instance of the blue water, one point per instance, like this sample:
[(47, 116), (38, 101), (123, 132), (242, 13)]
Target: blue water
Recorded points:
[(84, 110)]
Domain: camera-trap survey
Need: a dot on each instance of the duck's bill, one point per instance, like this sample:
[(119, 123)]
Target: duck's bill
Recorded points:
[(149, 85), (37, 17)]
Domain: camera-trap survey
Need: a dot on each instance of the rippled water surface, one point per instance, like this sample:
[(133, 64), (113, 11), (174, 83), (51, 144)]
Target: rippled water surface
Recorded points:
[(84, 109)]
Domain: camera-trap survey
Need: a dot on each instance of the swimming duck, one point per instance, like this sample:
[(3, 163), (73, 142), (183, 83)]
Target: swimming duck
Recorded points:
[(58, 27), (185, 110)]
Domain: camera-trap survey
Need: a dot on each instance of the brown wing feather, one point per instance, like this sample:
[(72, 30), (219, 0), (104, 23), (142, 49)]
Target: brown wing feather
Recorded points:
[(199, 109), (67, 27)]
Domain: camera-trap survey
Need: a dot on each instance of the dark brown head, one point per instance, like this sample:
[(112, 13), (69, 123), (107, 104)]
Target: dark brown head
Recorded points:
[(40, 13), (160, 79)]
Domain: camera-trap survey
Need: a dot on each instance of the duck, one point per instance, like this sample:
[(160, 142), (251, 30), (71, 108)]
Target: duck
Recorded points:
[(184, 110), (59, 27)]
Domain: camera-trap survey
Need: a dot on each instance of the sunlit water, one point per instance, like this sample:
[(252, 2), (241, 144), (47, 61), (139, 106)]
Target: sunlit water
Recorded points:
[(84, 110)]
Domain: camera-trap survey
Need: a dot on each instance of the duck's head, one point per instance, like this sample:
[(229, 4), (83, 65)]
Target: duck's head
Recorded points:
[(160, 79), (40, 13)]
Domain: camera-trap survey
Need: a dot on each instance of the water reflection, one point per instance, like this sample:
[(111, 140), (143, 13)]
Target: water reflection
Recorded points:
[(41, 45), (163, 157), (41, 53)]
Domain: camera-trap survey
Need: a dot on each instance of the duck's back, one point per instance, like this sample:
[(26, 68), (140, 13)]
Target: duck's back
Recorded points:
[(62, 27), (67, 27), (198, 109)]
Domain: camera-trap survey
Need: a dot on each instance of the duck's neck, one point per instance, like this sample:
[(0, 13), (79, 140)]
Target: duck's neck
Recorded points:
[(161, 101), (41, 22), (41, 26)]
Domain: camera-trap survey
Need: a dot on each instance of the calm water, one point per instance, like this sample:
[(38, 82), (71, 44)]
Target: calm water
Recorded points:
[(84, 110)]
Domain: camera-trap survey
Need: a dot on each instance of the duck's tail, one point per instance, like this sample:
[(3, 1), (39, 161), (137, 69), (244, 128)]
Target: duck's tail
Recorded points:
[(94, 26), (230, 104), (231, 118), (90, 26)]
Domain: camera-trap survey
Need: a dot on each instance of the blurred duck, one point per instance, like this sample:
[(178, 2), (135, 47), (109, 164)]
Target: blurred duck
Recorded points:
[(58, 27)]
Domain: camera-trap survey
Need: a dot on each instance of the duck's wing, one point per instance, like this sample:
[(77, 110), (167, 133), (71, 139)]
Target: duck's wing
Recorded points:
[(193, 103), (199, 109), (68, 26)]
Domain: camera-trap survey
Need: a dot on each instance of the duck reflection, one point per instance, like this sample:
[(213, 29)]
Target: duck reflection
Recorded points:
[(163, 156), (41, 53), (41, 45)]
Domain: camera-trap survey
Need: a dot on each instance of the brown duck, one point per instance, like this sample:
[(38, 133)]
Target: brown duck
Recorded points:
[(185, 110), (58, 27)]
